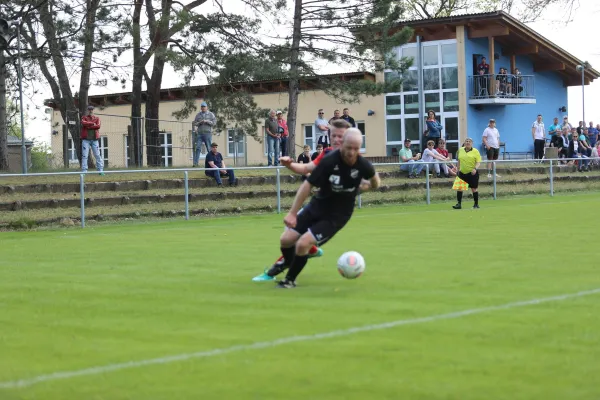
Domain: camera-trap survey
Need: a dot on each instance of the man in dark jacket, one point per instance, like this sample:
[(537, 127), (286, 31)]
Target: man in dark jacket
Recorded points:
[(90, 133)]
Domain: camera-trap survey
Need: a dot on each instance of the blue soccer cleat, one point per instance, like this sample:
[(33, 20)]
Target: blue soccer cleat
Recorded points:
[(263, 277), (319, 253)]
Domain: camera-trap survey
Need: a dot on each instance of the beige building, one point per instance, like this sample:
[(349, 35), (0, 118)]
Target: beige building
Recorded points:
[(176, 136)]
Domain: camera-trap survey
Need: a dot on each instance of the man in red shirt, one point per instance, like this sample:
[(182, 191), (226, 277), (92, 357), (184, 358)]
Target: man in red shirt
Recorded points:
[(90, 133), (337, 129), (484, 66), (283, 130)]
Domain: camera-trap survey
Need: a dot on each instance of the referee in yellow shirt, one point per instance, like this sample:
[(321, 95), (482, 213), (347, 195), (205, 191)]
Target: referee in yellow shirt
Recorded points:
[(468, 165)]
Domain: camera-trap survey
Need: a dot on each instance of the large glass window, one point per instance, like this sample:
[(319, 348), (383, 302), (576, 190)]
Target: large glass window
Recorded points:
[(394, 130), (440, 85), (411, 126), (431, 79), (392, 105), (411, 104), (449, 54), (450, 78), (363, 129), (430, 55), (411, 81), (450, 101), (432, 102)]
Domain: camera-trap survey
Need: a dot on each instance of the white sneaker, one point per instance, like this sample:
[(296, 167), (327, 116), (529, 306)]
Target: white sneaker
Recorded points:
[(498, 176), (490, 176)]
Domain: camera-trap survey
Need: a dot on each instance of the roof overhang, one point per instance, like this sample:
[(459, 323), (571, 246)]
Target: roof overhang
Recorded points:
[(274, 85), (515, 38)]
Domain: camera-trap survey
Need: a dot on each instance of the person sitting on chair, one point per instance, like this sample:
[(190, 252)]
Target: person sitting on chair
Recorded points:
[(214, 159)]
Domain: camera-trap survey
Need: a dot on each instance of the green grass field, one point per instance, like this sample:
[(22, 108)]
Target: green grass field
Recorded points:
[(77, 304)]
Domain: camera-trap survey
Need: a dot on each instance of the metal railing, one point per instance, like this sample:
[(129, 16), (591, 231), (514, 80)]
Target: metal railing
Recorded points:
[(505, 86), (428, 167)]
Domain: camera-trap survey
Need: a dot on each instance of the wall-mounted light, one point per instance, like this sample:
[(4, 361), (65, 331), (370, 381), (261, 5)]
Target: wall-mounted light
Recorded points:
[(54, 132), (562, 109), (370, 113)]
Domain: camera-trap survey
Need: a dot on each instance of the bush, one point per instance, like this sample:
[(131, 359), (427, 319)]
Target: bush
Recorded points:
[(40, 157)]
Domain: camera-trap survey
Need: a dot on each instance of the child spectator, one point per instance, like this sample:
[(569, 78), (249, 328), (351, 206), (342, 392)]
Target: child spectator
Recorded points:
[(304, 158), (316, 153)]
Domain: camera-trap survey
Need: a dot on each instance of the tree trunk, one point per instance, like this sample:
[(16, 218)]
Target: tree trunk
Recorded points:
[(67, 101), (294, 85), (86, 63), (3, 121), (136, 90), (152, 108)]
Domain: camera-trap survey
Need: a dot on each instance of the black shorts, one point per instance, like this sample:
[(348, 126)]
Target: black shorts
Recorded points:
[(472, 180), (492, 153), (322, 224)]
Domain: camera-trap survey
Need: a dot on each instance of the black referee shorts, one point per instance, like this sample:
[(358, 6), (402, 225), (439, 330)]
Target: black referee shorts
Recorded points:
[(322, 224), (472, 180)]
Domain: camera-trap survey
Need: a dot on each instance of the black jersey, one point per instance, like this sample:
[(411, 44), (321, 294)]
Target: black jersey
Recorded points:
[(338, 182)]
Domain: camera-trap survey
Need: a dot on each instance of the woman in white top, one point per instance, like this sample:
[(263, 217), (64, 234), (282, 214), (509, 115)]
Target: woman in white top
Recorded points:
[(430, 155)]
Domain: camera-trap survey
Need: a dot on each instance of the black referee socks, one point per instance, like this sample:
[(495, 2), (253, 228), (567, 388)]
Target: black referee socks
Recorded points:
[(476, 198), (459, 196)]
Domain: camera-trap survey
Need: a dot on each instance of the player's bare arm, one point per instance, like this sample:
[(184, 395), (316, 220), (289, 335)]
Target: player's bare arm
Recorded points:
[(375, 181), (301, 169), (301, 196)]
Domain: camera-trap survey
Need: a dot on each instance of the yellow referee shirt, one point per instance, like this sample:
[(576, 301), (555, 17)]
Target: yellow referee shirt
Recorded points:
[(468, 159)]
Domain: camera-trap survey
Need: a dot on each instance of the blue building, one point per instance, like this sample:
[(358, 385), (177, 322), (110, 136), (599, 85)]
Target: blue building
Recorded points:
[(445, 78)]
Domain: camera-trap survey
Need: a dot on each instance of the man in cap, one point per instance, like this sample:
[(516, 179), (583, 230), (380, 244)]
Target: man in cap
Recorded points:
[(214, 159), (90, 133), (491, 141), (202, 128), (409, 162)]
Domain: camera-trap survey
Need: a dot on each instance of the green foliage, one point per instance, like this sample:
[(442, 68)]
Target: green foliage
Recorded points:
[(40, 156), (23, 223)]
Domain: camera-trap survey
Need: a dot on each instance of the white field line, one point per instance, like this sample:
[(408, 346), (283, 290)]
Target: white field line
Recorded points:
[(103, 369)]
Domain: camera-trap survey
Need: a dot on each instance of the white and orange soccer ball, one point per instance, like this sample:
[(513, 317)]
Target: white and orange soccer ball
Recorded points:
[(351, 265)]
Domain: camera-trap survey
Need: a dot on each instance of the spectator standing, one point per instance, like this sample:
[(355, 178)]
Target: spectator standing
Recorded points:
[(469, 160), (566, 122), (491, 141), (483, 65), (346, 117), (538, 135), (283, 131), (273, 139), (90, 133), (214, 159), (554, 129), (592, 134), (202, 127), (434, 128), (321, 128)]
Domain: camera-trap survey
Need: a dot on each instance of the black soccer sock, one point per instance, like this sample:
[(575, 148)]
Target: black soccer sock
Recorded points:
[(296, 267), (288, 255), (459, 196), (476, 198)]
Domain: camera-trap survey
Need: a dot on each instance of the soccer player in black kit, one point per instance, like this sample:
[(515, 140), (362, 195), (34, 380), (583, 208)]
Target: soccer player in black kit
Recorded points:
[(339, 177)]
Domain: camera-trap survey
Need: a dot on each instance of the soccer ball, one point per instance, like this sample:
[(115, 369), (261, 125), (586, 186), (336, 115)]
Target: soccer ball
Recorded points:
[(351, 265)]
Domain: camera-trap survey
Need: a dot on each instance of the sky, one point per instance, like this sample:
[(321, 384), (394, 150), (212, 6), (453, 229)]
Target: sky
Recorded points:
[(577, 37)]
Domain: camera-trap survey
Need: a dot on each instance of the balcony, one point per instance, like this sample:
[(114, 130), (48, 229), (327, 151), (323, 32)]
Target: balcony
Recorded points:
[(501, 89)]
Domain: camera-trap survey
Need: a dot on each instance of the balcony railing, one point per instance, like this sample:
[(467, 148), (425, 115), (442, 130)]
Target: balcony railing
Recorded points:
[(501, 88)]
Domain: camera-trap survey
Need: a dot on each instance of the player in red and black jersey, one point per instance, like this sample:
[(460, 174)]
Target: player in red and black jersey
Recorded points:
[(337, 129)]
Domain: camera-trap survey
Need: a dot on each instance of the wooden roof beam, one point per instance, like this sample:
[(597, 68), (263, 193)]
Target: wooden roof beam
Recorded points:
[(507, 52), (549, 67), (490, 31)]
